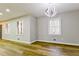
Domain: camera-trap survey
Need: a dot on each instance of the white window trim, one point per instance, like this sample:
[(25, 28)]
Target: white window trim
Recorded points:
[(19, 28), (7, 30), (60, 22)]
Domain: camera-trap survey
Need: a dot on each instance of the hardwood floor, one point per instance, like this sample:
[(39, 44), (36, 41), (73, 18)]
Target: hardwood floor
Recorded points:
[(11, 48)]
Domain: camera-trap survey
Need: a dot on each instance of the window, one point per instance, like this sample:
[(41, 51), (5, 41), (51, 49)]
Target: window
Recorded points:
[(55, 26), (20, 27), (6, 28)]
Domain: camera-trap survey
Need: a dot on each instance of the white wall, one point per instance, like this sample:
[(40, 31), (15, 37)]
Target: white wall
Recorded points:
[(37, 29), (33, 29), (28, 35), (70, 28)]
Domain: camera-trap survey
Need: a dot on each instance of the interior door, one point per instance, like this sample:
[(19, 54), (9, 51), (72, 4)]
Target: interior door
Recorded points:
[(0, 31)]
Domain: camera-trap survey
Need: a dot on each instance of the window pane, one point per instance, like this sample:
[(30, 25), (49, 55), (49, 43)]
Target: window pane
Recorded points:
[(6, 28), (55, 27), (20, 27)]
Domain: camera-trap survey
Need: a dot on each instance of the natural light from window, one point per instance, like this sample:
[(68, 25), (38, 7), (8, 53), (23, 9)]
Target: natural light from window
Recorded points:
[(20, 27), (54, 26)]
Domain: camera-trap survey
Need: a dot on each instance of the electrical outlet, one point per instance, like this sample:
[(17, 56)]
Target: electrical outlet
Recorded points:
[(54, 39), (18, 39)]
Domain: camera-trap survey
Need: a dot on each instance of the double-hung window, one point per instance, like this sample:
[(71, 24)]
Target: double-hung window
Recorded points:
[(54, 27), (20, 27), (7, 28)]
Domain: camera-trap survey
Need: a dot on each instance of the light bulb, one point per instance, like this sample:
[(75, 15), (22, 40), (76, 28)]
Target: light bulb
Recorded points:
[(7, 10), (1, 13)]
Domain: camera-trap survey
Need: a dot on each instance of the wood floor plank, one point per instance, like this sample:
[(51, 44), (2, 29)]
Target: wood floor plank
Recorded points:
[(12, 48)]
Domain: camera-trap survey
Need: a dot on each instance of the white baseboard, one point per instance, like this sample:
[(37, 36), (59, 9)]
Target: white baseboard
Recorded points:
[(60, 43), (44, 41), (33, 41), (19, 41)]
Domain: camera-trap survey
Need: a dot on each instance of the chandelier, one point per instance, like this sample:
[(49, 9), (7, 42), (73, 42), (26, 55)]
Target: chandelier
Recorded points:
[(50, 11)]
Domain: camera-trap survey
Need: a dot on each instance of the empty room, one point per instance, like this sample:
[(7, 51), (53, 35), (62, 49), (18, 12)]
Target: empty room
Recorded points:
[(39, 29)]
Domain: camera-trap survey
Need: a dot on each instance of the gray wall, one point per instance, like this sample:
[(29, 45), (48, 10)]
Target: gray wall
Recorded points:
[(33, 29), (37, 29), (28, 28), (70, 28)]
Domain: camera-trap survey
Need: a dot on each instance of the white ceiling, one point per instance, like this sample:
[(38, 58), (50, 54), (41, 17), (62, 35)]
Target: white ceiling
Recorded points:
[(34, 9)]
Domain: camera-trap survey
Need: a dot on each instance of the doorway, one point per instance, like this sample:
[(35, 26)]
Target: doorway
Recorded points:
[(0, 31)]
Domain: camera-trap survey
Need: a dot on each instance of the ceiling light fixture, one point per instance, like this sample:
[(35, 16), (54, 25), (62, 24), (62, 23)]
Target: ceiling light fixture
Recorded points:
[(50, 11), (1, 13), (7, 10)]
